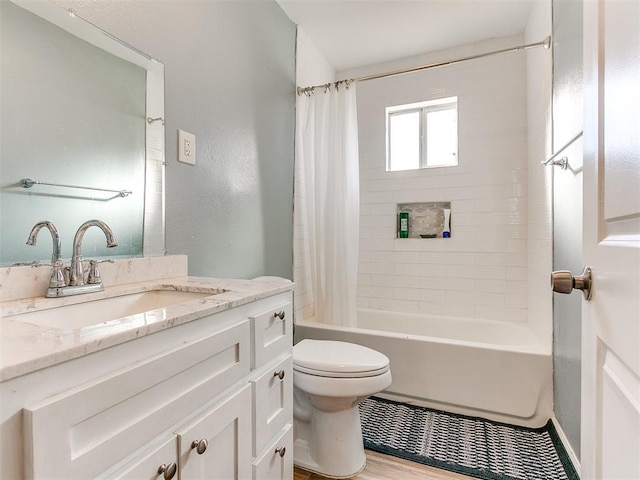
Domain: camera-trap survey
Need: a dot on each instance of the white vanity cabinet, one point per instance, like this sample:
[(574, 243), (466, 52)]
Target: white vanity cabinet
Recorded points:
[(209, 399)]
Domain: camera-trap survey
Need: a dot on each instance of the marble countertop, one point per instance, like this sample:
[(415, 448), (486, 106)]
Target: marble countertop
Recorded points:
[(27, 347)]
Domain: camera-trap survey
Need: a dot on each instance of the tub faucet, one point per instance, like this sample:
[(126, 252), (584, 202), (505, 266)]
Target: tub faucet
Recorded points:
[(57, 275), (76, 270)]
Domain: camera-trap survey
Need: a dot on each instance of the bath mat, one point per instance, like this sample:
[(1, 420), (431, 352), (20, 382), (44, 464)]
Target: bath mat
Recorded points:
[(472, 446)]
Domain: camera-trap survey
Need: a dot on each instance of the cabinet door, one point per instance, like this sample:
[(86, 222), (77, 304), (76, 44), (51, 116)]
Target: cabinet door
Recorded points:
[(152, 465), (217, 444), (276, 461), (273, 399)]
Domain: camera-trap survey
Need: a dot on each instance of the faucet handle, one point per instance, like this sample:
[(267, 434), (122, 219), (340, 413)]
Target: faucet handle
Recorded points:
[(94, 273), (57, 276)]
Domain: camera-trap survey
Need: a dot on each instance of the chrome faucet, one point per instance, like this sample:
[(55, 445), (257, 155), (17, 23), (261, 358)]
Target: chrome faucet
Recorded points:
[(58, 287), (76, 270), (57, 276)]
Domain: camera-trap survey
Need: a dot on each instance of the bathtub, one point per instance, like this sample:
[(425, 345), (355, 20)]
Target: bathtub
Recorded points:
[(484, 368)]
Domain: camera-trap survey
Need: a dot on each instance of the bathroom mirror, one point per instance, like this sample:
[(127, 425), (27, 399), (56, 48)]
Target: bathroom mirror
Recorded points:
[(81, 136)]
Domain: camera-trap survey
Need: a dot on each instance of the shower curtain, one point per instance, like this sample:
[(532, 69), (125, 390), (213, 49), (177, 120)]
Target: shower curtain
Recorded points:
[(327, 202)]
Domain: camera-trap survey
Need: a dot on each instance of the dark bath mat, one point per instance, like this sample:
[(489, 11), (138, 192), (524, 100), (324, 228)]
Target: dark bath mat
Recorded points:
[(472, 446)]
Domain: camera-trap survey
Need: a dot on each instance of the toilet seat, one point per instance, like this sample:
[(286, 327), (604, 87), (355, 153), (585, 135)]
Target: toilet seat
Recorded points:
[(326, 358)]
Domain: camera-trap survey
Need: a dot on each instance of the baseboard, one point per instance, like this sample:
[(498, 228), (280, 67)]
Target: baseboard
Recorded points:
[(566, 445)]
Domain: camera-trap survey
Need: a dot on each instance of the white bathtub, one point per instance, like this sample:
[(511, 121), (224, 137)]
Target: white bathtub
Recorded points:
[(484, 368)]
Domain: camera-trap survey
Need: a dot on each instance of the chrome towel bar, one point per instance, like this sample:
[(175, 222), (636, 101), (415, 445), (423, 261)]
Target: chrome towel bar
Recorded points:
[(30, 182), (564, 161)]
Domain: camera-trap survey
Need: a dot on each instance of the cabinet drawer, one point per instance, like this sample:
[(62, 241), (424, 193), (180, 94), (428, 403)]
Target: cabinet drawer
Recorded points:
[(276, 460), (83, 432), (271, 333), (272, 400), (226, 429)]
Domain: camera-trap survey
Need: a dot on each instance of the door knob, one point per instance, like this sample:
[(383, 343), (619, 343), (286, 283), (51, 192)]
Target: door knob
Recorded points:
[(562, 281)]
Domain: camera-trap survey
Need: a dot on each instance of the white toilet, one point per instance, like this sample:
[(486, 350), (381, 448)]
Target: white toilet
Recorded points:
[(330, 379)]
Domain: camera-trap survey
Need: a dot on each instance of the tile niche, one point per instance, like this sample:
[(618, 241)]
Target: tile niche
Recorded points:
[(426, 219)]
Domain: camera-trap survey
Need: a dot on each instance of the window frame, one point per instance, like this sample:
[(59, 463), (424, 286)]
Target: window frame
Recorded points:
[(424, 108)]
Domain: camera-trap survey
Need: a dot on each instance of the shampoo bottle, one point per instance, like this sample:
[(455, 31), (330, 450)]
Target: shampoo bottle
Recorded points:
[(403, 225), (446, 230)]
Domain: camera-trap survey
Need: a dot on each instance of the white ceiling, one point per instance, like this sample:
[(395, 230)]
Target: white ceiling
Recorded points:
[(355, 33)]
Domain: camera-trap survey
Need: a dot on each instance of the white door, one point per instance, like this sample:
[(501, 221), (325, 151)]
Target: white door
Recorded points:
[(611, 329)]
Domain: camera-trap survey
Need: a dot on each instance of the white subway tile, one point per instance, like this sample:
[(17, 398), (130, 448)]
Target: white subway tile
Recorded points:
[(476, 272), (421, 269), (376, 268), (367, 244), (447, 309), (395, 257), (395, 305), (406, 281), (375, 291), (516, 300), (363, 302), (458, 258), (419, 294)]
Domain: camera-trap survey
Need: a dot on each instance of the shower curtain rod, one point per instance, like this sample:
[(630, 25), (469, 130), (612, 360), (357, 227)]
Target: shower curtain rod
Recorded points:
[(546, 43)]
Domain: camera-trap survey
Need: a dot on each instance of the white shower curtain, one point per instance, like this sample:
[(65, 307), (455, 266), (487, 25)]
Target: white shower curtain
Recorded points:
[(328, 202)]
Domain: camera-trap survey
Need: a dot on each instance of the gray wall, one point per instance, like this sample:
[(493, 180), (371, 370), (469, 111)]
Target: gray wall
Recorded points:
[(230, 80), (567, 214)]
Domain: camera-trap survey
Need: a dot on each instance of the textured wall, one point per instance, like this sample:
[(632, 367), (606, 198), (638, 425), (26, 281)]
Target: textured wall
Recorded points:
[(229, 79), (481, 271)]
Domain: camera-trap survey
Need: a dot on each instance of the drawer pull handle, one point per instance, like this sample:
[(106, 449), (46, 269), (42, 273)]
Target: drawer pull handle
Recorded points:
[(279, 374), (200, 446), (168, 470), (281, 451), (279, 314)]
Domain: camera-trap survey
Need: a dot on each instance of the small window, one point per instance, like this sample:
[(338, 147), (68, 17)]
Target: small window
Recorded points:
[(422, 135)]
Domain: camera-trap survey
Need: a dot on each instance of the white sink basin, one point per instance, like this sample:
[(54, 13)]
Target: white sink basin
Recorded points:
[(108, 309)]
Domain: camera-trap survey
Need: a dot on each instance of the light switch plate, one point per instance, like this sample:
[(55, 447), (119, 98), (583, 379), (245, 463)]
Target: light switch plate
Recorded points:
[(186, 147)]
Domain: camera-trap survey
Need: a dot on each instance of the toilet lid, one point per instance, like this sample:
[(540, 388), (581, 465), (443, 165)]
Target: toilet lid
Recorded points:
[(328, 358)]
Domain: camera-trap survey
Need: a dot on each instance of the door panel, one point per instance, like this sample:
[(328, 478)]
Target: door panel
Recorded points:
[(226, 427), (611, 332)]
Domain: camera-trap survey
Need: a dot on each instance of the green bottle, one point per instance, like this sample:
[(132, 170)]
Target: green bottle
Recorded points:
[(403, 225)]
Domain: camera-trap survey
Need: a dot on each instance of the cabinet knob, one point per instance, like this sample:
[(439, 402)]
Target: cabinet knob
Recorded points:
[(279, 374), (169, 471), (279, 314), (281, 451), (200, 445)]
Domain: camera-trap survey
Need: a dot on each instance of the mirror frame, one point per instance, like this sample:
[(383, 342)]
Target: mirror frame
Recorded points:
[(154, 196)]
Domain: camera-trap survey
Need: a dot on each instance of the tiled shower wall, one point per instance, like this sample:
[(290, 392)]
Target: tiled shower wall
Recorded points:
[(481, 271)]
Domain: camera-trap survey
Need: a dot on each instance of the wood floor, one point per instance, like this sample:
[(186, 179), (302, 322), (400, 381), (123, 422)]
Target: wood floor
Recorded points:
[(385, 467)]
